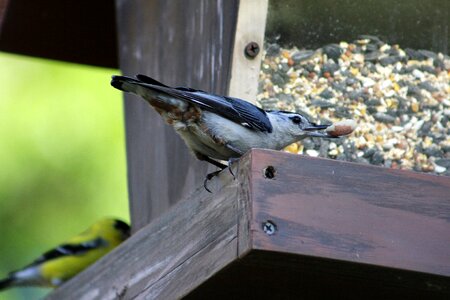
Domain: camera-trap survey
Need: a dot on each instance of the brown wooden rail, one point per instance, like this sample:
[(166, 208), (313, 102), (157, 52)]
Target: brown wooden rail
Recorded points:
[(341, 229)]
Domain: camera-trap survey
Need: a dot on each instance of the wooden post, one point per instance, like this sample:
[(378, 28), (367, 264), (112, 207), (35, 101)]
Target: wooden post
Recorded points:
[(187, 43), (251, 25)]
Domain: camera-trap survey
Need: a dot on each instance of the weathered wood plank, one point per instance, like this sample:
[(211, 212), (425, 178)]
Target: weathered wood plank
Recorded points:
[(185, 43), (170, 256), (195, 270), (357, 213), (343, 230), (334, 230), (251, 24), (244, 204)]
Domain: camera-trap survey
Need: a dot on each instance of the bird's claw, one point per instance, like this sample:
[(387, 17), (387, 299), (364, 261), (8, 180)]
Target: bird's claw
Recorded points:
[(230, 162), (208, 178), (215, 173)]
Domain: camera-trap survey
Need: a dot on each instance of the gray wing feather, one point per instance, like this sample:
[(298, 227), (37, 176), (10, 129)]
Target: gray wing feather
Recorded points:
[(234, 109)]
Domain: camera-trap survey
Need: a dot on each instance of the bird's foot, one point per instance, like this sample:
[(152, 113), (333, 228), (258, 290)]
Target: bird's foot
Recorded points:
[(231, 161), (208, 178), (211, 175)]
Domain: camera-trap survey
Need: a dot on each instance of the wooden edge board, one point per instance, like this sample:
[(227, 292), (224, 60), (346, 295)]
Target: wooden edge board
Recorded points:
[(352, 212), (173, 254), (322, 209)]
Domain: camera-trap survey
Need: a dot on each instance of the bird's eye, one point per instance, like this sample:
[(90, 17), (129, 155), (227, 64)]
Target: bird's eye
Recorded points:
[(296, 120)]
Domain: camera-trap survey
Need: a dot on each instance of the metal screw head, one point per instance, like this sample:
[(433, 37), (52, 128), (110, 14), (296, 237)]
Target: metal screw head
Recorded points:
[(269, 227), (269, 172), (251, 50)]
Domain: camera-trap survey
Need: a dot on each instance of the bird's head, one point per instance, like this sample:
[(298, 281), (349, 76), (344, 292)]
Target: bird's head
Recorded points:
[(123, 228), (297, 125), (110, 229)]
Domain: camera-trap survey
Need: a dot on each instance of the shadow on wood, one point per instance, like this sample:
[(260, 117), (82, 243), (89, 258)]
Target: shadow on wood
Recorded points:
[(340, 229)]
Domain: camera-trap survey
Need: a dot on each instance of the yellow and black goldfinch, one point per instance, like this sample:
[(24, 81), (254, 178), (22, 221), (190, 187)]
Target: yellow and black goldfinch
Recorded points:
[(70, 258)]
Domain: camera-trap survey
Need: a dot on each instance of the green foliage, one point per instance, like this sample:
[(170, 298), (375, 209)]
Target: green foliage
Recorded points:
[(62, 157)]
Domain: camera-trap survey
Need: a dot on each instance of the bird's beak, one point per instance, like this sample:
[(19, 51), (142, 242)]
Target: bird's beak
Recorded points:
[(315, 127), (313, 130), (320, 135)]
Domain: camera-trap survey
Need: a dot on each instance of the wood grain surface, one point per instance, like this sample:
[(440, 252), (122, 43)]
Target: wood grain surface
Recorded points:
[(357, 213), (343, 230), (180, 43), (336, 234), (171, 256)]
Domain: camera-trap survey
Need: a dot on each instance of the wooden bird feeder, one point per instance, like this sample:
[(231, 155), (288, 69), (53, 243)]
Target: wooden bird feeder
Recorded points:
[(287, 226)]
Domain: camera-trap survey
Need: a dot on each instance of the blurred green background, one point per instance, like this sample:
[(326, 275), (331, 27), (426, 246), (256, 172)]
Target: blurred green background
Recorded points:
[(62, 157)]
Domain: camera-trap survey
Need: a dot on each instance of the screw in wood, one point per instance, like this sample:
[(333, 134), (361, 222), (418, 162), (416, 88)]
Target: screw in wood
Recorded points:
[(269, 227), (269, 172), (251, 50)]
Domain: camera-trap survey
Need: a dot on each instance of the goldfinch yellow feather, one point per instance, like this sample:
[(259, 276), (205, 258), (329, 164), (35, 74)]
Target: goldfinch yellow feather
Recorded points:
[(65, 261)]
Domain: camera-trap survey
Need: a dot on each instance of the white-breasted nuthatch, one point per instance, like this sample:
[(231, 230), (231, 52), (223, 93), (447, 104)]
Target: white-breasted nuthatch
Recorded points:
[(219, 127)]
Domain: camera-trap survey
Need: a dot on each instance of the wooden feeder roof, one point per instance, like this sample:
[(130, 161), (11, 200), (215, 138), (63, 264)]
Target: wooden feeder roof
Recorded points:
[(75, 31)]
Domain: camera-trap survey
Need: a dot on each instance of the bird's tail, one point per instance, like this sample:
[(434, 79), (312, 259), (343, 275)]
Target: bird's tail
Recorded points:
[(6, 283), (124, 83), (160, 96)]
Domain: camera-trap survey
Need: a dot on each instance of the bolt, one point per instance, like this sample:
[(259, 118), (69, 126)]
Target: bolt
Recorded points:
[(269, 227), (269, 172), (251, 50)]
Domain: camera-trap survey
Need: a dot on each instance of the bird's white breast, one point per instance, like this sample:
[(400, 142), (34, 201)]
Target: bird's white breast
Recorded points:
[(212, 132)]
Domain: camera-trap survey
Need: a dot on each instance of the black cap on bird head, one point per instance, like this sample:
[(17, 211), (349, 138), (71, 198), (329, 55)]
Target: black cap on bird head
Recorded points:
[(123, 227)]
